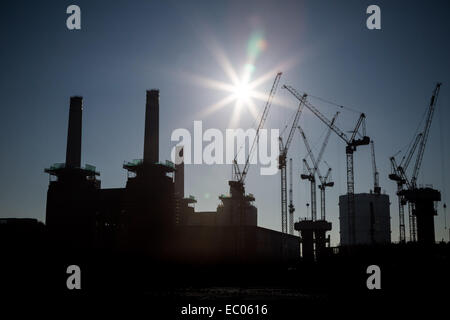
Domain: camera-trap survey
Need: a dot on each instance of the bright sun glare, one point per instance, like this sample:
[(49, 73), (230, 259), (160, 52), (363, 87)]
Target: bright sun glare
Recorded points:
[(242, 90)]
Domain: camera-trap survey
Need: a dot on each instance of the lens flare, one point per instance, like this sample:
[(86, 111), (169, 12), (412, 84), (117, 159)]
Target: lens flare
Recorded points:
[(242, 89)]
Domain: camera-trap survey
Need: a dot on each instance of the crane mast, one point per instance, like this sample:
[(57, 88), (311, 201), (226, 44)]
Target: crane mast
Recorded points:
[(282, 165), (352, 144), (399, 175), (412, 223), (396, 175), (324, 184), (291, 202), (311, 178), (376, 181)]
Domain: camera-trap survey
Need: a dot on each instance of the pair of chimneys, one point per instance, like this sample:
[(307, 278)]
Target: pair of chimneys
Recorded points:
[(151, 139)]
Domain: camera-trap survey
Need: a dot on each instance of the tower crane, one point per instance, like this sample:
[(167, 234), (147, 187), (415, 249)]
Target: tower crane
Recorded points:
[(324, 183), (420, 200), (424, 139), (237, 189), (396, 176), (315, 170), (352, 144), (239, 176), (399, 175), (291, 203), (312, 179), (282, 164), (376, 180)]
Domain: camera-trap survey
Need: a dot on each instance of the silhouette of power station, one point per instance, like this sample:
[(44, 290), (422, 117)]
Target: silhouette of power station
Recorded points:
[(151, 215), (148, 233)]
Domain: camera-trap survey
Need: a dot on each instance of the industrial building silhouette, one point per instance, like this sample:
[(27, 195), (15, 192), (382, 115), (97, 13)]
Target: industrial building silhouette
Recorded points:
[(148, 237), (151, 216)]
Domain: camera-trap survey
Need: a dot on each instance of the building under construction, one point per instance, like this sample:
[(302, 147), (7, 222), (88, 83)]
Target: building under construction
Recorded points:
[(150, 216), (372, 219)]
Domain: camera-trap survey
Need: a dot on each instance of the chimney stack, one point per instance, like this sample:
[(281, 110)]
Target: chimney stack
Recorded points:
[(73, 151), (151, 139), (179, 172)]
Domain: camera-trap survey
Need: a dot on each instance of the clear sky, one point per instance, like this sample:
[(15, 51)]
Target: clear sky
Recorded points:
[(126, 47)]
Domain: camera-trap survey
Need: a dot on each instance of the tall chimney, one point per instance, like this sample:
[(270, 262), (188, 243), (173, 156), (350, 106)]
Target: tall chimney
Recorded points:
[(179, 172), (73, 151), (151, 142)]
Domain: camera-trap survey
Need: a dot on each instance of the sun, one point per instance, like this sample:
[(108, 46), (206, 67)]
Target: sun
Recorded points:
[(242, 91)]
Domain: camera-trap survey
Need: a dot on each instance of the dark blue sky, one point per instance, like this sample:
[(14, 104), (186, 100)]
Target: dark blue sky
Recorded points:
[(126, 47)]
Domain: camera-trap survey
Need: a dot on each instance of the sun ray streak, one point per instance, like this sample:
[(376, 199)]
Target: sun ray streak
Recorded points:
[(279, 101), (217, 106), (269, 75), (235, 114), (253, 109), (209, 83), (225, 64)]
